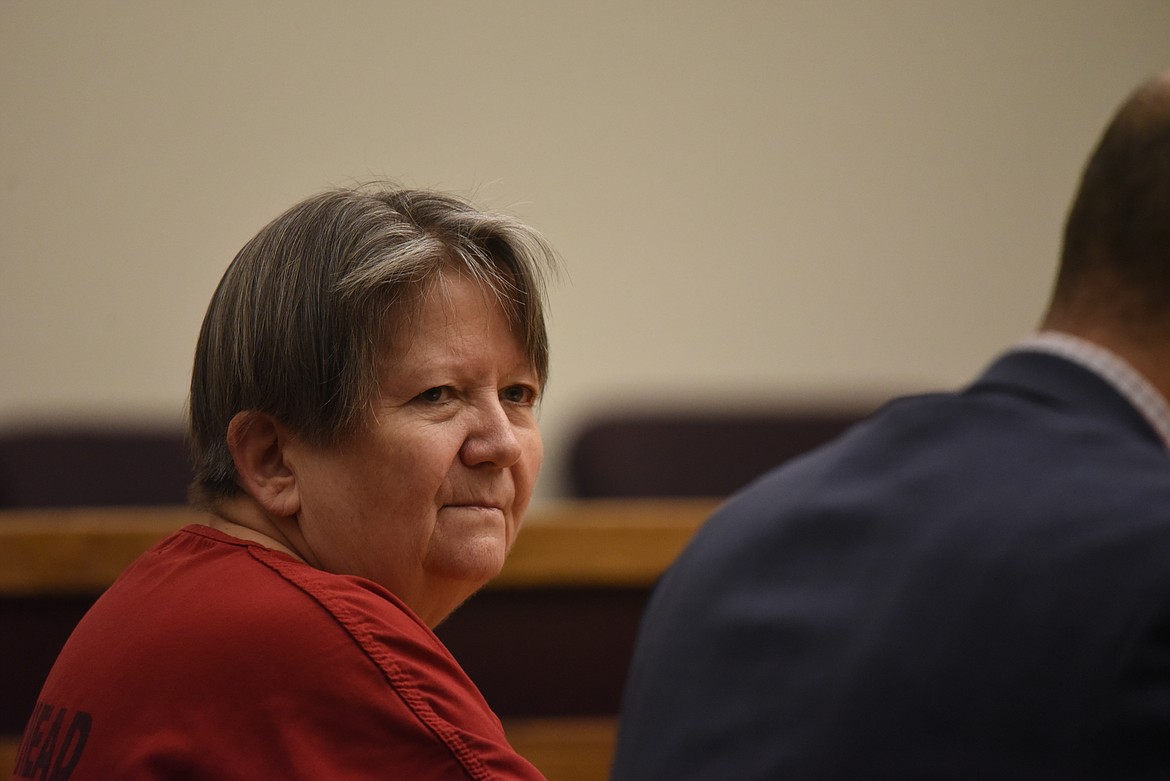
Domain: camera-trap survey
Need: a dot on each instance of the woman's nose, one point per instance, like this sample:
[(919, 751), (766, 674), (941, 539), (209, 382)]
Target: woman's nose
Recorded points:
[(491, 439)]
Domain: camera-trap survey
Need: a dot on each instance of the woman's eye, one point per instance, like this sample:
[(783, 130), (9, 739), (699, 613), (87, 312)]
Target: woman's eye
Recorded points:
[(435, 395), (519, 394)]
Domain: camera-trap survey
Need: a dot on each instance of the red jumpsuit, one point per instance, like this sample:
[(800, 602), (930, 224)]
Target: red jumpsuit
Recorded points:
[(216, 658)]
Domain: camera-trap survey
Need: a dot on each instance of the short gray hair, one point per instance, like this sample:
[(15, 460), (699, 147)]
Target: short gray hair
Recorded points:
[(297, 326)]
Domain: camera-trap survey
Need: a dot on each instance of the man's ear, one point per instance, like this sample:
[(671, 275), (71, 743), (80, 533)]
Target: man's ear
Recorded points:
[(257, 442)]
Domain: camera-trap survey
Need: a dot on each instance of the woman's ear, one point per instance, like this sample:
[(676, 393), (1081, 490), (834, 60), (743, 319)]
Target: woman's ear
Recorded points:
[(257, 441)]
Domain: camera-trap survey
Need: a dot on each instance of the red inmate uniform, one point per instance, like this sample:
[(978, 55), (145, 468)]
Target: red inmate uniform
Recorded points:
[(216, 658)]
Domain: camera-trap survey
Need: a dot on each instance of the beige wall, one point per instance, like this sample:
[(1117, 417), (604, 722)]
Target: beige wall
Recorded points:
[(756, 201)]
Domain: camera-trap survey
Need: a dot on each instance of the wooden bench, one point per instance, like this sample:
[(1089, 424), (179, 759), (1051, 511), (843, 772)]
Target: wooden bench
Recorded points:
[(548, 641)]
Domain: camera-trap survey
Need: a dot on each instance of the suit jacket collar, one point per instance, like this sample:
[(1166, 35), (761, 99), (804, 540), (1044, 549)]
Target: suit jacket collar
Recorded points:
[(1060, 383)]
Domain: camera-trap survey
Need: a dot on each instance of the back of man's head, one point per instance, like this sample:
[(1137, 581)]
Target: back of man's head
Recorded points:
[(1115, 267)]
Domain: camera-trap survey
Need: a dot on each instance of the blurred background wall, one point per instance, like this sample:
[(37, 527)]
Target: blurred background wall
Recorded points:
[(758, 203)]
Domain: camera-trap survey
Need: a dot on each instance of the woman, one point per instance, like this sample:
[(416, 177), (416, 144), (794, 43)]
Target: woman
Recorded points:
[(363, 420)]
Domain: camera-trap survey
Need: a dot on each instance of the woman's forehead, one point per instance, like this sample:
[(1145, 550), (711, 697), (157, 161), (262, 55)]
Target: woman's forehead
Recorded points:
[(403, 317)]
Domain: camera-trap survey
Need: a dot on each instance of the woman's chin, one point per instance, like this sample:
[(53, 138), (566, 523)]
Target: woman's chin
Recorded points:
[(475, 561)]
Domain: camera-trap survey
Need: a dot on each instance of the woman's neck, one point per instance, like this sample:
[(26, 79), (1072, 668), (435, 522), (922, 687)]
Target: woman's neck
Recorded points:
[(235, 520)]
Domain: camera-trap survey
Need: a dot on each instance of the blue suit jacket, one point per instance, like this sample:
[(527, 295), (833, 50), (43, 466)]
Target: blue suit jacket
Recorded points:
[(964, 586)]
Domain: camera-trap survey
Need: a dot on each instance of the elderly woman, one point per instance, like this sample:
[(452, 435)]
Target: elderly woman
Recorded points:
[(363, 419)]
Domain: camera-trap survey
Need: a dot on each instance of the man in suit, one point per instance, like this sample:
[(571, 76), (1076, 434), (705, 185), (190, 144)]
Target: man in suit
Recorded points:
[(970, 585)]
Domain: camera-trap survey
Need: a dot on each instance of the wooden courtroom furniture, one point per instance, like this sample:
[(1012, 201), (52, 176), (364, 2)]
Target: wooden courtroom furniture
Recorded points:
[(548, 641)]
